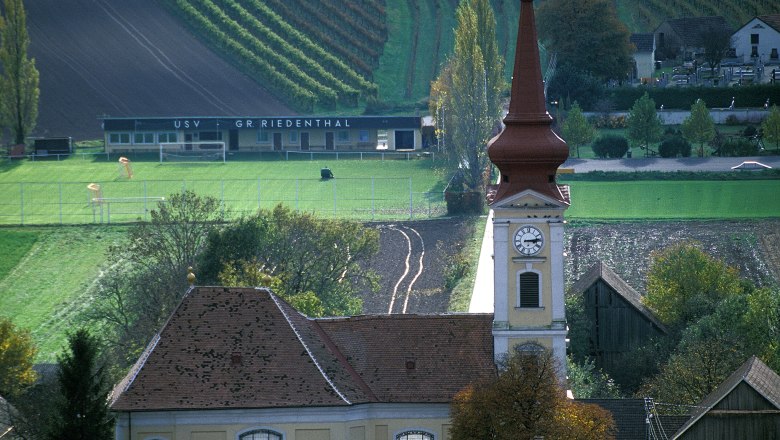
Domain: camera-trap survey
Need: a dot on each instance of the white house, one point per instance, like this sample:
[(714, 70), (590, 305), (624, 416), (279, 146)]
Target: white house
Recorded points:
[(759, 39)]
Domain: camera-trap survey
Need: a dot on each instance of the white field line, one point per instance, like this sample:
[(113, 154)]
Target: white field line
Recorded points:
[(406, 271), (419, 271)]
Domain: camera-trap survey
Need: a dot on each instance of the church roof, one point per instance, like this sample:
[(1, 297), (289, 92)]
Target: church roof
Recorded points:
[(643, 42), (228, 348), (527, 151)]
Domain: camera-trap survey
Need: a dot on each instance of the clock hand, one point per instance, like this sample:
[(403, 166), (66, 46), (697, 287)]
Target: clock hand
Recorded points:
[(535, 240)]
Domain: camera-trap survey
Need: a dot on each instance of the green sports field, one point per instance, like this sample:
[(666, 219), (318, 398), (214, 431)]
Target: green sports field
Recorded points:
[(57, 192)]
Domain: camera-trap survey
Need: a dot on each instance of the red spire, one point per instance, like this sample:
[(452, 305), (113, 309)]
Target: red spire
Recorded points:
[(527, 152)]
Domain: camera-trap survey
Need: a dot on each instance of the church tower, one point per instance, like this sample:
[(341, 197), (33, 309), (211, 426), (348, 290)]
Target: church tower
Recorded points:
[(528, 207)]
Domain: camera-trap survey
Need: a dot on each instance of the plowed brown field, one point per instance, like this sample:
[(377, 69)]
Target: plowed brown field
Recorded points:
[(129, 58)]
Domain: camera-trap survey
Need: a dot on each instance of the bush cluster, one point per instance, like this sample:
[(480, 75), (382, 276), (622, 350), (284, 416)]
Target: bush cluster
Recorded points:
[(610, 146), (608, 121), (674, 146)]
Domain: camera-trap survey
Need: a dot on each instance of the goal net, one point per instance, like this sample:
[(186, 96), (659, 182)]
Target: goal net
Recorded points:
[(203, 151)]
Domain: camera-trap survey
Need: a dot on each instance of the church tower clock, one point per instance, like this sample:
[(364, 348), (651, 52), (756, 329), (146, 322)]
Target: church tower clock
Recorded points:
[(528, 207)]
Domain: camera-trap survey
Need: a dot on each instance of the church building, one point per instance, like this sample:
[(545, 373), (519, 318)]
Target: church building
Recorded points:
[(242, 364)]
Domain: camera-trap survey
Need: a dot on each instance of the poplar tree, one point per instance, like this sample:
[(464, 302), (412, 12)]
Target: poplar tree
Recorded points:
[(19, 80), (644, 124), (576, 128), (699, 126), (466, 97)]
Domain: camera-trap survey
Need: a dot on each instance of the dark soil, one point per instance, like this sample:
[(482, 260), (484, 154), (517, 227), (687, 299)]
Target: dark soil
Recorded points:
[(752, 246), (442, 239), (129, 58)]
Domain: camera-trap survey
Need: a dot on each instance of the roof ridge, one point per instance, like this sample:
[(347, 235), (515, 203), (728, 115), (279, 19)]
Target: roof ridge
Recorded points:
[(333, 348), (308, 350)]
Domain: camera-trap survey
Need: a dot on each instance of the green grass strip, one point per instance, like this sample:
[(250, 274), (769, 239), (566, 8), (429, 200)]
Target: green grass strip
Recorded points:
[(675, 199)]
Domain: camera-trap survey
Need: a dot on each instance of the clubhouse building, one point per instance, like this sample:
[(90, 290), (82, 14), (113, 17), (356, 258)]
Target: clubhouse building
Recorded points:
[(257, 134)]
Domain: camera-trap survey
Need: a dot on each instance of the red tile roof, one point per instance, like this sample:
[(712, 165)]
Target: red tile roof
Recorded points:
[(246, 348)]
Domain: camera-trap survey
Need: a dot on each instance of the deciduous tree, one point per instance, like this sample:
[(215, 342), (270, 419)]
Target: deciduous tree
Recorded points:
[(465, 98), (19, 80), (587, 35), (576, 128), (699, 125), (83, 407), (302, 255), (644, 124), (17, 354), (771, 127), (684, 283), (523, 401), (716, 43)]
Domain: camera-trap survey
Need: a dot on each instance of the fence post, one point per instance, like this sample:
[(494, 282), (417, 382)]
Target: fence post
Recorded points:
[(21, 190), (146, 203), (411, 200), (222, 197), (296, 193), (373, 199), (334, 198), (258, 193), (60, 202)]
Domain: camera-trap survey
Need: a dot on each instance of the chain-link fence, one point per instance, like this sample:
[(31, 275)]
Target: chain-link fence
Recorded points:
[(131, 201)]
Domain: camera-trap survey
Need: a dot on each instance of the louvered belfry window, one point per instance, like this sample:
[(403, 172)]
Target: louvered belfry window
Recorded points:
[(529, 290)]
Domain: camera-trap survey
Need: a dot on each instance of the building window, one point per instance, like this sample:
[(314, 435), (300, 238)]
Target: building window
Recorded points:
[(262, 137), (529, 293), (167, 137), (529, 348), (293, 137), (363, 135), (753, 38), (143, 138), (119, 138), (342, 136), (773, 54), (414, 435), (260, 434)]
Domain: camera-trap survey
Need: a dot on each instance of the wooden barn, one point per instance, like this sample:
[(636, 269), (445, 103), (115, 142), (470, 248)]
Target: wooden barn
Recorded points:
[(744, 407), (619, 321)]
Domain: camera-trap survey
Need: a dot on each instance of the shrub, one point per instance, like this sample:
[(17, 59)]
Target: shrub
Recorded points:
[(674, 146), (610, 146), (750, 131), (737, 147)]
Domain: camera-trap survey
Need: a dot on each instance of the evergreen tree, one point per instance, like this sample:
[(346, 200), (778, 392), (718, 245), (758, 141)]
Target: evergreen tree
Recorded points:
[(465, 98), (644, 124), (576, 128), (19, 80), (83, 407), (699, 126)]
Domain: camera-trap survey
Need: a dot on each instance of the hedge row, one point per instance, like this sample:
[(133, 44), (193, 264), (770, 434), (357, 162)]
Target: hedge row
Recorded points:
[(683, 98), (347, 95), (262, 71), (299, 40), (325, 95)]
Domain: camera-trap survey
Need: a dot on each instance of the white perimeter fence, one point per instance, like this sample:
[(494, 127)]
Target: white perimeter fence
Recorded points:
[(131, 201)]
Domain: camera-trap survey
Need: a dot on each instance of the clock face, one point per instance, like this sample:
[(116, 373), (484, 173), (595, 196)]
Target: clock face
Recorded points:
[(528, 240)]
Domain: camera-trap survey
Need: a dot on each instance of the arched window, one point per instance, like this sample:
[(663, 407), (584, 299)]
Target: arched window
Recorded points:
[(528, 287), (260, 434), (414, 435)]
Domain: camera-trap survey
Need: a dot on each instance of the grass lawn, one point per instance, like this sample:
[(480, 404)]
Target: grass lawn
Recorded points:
[(675, 199), (45, 290), (55, 192)]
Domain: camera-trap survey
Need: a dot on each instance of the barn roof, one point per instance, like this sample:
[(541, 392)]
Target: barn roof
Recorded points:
[(630, 417), (754, 373), (225, 348), (690, 29), (600, 271)]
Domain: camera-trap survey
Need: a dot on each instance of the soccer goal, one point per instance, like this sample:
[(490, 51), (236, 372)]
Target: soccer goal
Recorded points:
[(203, 151)]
